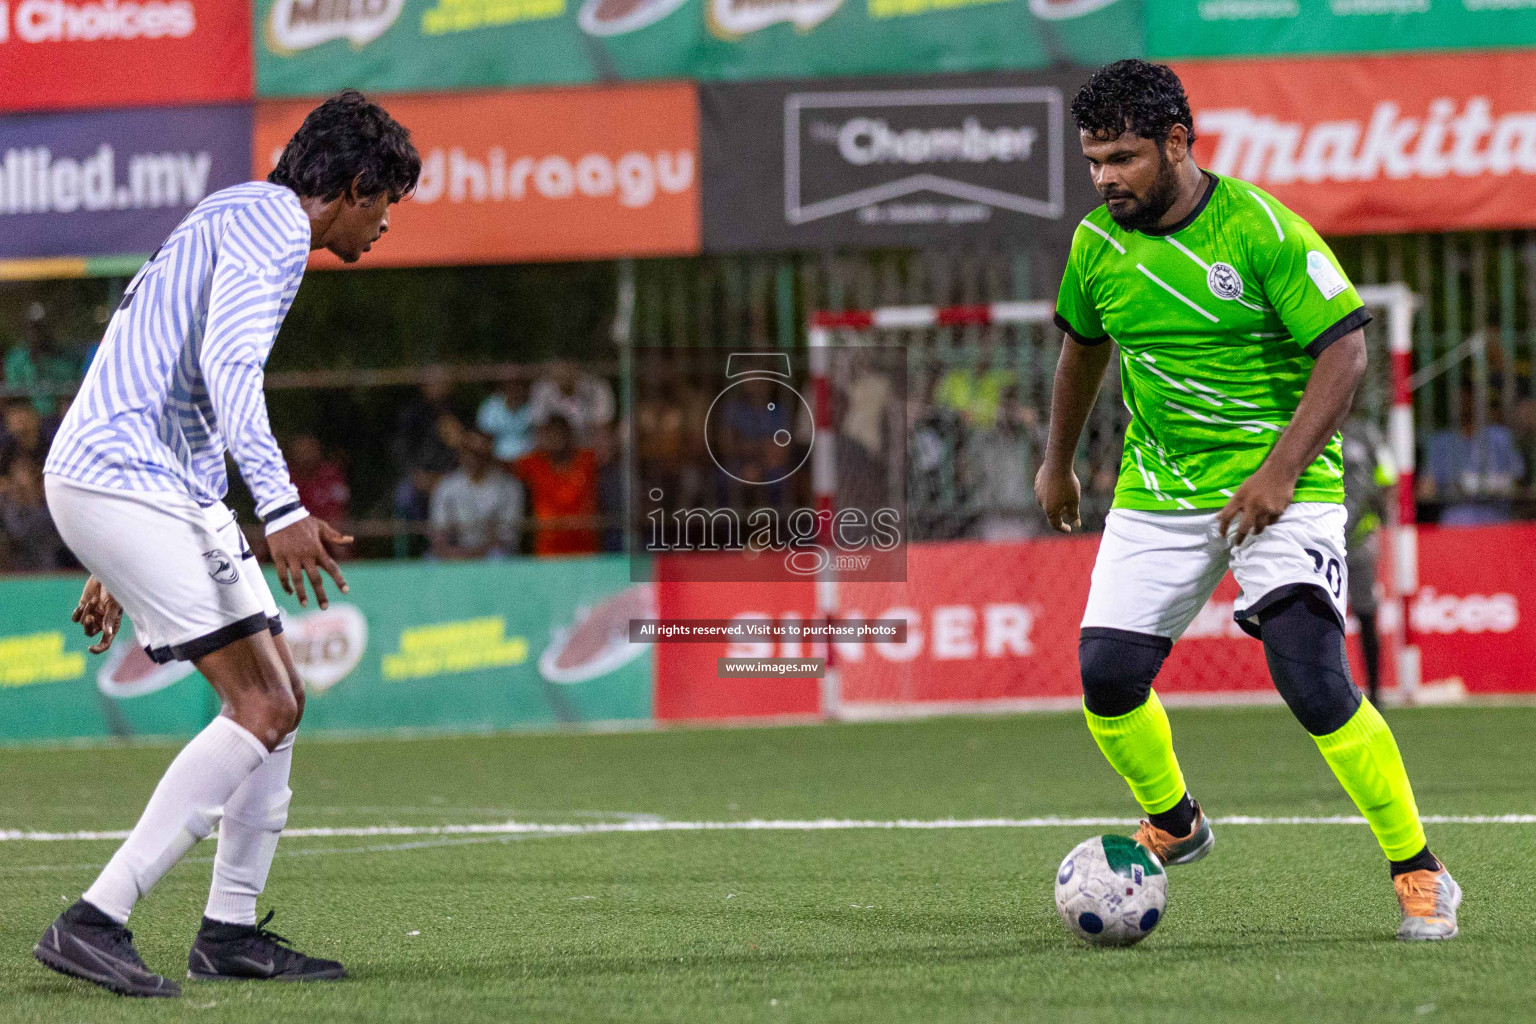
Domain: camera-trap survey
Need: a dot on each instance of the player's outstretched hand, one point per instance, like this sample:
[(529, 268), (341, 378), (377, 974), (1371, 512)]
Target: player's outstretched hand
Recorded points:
[(304, 549), (1258, 504), (1058, 492), (98, 612)]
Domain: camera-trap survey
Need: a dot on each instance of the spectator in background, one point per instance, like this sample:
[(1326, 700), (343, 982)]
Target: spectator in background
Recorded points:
[(425, 445), (976, 395), (322, 482), (31, 542), (477, 510), (610, 487), (507, 416), (660, 422), (870, 415), (1472, 470), (1369, 475), (1524, 426), (1002, 460), (39, 363), (755, 438), (582, 400), (23, 434), (562, 486)]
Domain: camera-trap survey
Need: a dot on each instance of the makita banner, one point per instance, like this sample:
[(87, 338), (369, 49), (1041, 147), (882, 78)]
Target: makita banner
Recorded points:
[(1367, 145), (115, 182), (308, 47), (59, 54), (875, 162)]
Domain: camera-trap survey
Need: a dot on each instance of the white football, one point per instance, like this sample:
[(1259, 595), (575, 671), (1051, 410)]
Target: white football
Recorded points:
[(1111, 891)]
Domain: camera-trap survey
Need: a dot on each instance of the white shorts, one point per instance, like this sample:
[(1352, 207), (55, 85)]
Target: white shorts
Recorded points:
[(1156, 570), (183, 573)]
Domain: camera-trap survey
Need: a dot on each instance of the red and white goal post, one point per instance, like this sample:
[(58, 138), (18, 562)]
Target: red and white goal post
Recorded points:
[(1391, 355)]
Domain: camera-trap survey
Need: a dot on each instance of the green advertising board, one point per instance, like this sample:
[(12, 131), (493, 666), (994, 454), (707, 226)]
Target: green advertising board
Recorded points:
[(308, 47), (1233, 28), (434, 646)]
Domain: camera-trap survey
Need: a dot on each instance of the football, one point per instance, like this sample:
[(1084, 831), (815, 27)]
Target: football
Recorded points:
[(1111, 891)]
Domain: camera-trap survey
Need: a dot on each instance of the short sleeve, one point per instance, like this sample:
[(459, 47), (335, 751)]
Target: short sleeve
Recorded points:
[(1075, 311), (1302, 279)]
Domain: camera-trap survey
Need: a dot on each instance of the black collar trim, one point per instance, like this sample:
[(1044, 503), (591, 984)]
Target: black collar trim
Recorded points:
[(1210, 190)]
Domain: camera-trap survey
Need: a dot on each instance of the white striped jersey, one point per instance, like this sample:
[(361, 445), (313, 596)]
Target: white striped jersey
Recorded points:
[(177, 380)]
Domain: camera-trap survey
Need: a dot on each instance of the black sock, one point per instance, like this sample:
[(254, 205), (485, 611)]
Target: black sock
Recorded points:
[(1421, 861), (1178, 820)]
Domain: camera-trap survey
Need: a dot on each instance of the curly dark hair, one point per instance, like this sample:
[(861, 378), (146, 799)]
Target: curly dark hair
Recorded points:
[(343, 138), (1133, 95)]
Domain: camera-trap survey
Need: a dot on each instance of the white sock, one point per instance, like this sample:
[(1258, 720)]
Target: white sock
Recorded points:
[(253, 820), (184, 808)]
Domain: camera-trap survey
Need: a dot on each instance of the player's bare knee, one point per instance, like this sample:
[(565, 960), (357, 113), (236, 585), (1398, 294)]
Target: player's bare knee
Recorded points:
[(1304, 645), (1118, 667), (296, 687), (263, 702)]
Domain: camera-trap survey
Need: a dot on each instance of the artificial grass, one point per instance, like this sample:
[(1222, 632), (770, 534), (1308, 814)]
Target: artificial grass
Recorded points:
[(1281, 923)]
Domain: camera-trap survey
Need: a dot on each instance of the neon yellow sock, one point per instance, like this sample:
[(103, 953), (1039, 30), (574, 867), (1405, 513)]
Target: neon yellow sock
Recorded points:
[(1140, 747), (1364, 756)]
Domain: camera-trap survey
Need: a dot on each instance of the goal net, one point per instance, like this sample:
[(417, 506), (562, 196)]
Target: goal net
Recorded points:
[(990, 596)]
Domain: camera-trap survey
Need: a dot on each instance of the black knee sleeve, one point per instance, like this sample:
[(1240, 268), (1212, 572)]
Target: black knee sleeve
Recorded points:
[(1118, 667), (1304, 645)]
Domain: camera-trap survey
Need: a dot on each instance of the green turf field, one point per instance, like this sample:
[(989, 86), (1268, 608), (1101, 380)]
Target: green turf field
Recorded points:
[(1283, 922)]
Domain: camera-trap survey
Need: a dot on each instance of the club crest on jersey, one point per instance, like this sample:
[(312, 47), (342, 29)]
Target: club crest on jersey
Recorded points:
[(221, 567), (1223, 281)]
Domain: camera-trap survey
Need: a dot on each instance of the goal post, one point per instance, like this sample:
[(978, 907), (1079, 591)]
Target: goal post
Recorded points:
[(1030, 323)]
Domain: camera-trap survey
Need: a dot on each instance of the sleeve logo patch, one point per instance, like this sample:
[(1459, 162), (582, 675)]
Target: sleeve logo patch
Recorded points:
[(1321, 270), (1224, 282)]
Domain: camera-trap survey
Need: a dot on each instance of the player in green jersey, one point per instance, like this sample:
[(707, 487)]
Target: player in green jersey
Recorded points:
[(1240, 343)]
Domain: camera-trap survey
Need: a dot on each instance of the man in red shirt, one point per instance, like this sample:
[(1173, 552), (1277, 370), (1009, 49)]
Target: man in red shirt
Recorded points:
[(562, 491), (321, 482)]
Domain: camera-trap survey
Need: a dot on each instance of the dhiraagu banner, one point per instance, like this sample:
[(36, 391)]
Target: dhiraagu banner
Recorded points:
[(309, 47), (432, 646)]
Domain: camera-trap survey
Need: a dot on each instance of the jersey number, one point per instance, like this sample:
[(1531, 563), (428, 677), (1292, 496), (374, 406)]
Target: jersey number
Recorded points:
[(1330, 569)]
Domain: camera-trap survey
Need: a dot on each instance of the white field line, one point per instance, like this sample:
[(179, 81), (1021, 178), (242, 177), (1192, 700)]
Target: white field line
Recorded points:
[(515, 828)]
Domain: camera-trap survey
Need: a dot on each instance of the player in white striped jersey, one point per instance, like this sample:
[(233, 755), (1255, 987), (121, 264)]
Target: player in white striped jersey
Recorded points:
[(135, 481)]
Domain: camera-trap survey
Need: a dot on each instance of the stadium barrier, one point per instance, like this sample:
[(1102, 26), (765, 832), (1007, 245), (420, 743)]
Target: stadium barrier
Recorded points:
[(465, 647)]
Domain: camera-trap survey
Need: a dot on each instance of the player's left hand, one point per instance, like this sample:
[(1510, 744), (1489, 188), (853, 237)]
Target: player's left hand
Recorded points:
[(306, 548), (1258, 504), (98, 612)]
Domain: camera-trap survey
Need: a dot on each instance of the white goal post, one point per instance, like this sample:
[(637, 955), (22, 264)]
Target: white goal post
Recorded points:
[(1396, 301)]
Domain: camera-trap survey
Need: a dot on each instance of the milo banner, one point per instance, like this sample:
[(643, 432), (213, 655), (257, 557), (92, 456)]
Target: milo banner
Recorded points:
[(306, 47), (893, 162), (1226, 28), (453, 647)]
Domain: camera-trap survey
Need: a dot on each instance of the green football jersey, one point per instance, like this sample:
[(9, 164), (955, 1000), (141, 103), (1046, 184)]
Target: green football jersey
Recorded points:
[(1219, 320)]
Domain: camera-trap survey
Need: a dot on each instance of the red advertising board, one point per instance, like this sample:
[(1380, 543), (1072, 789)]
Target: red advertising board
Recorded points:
[(985, 623), (68, 54), (1469, 615), (998, 624), (1357, 145), (560, 174)]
